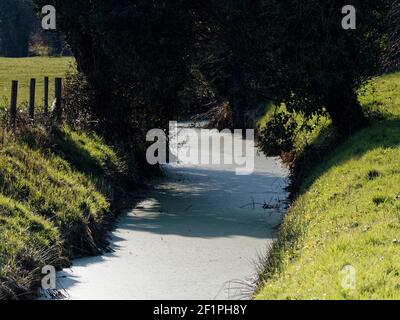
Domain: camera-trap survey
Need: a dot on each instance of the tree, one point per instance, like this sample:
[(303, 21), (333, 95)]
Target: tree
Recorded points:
[(295, 52), (394, 36), (135, 55), (232, 40), (317, 64), (17, 21)]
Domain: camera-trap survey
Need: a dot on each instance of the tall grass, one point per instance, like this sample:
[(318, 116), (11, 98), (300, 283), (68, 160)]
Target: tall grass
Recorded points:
[(56, 192)]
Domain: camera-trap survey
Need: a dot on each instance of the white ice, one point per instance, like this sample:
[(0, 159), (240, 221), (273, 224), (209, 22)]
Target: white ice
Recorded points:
[(196, 235)]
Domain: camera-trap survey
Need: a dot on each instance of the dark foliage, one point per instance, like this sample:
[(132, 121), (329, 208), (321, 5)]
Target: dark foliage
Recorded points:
[(393, 62), (78, 102), (320, 65), (135, 55), (294, 52), (232, 39), (17, 21), (278, 135)]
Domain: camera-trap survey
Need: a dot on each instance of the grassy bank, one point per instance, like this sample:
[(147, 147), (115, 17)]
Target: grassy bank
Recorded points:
[(347, 213), (57, 188), (23, 69), (55, 203)]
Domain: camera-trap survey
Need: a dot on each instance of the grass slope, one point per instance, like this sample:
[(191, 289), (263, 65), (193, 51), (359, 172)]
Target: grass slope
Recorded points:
[(54, 200), (23, 69), (347, 214)]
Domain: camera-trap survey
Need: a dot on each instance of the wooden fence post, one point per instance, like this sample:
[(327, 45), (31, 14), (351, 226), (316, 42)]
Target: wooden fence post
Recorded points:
[(13, 103), (57, 111), (46, 95), (32, 91)]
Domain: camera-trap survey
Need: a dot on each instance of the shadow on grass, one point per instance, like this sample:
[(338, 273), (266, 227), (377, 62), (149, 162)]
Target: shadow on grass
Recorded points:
[(314, 161), (75, 154), (381, 134)]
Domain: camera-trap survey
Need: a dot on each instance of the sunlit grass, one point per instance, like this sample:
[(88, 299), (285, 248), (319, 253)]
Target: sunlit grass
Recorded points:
[(54, 198), (348, 213)]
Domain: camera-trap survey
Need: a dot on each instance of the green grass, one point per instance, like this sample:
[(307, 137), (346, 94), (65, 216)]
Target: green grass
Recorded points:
[(23, 69), (54, 200), (382, 94), (348, 213), (56, 187)]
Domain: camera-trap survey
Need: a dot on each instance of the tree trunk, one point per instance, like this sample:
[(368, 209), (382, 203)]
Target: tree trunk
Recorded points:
[(238, 112), (238, 100), (345, 111)]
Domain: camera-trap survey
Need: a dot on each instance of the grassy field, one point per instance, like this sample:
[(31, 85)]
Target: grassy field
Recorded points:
[(23, 69), (346, 220)]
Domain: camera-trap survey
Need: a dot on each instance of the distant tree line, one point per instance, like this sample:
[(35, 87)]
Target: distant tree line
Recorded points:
[(20, 32)]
